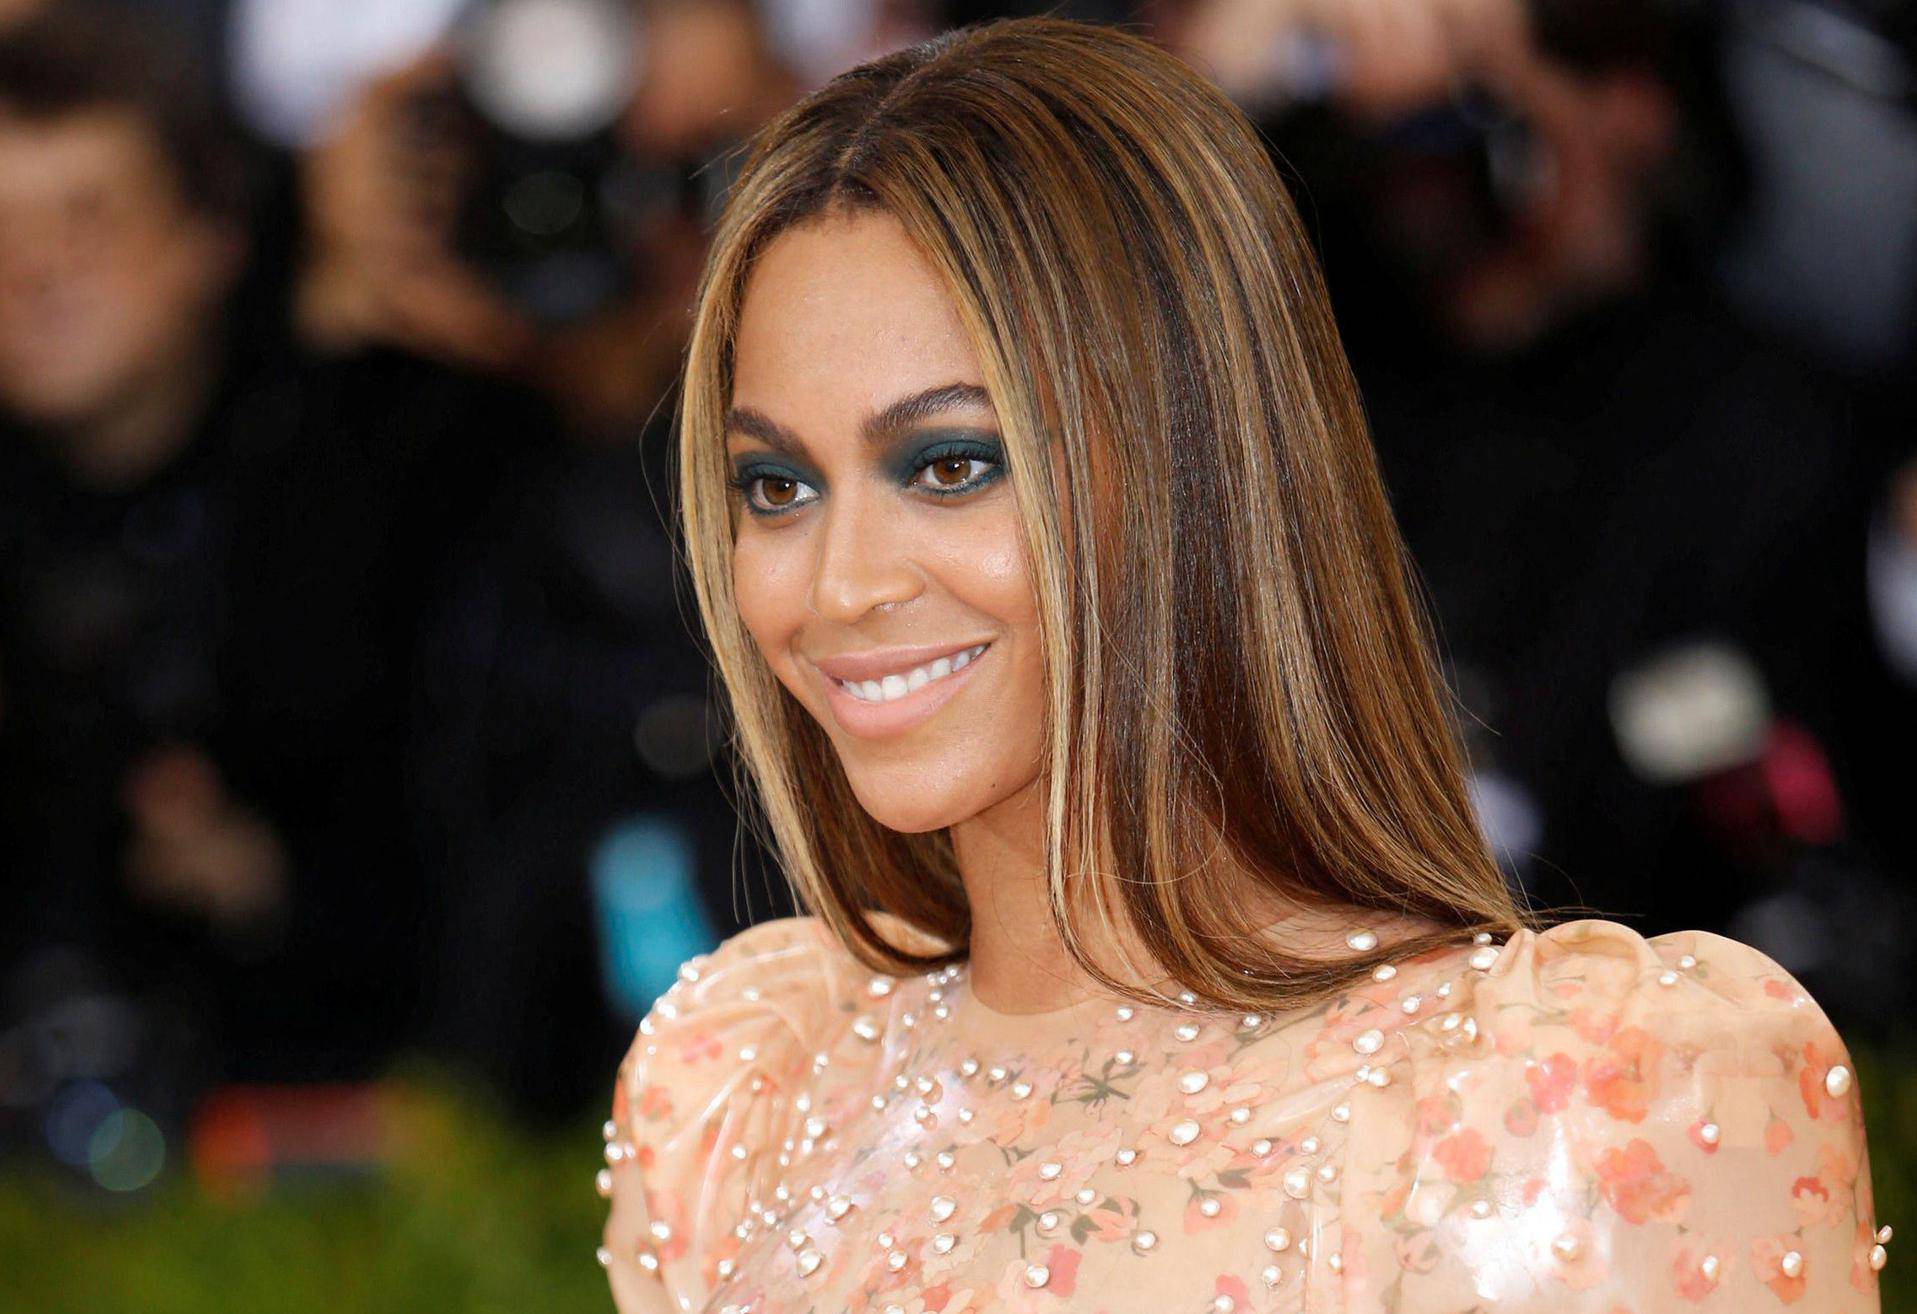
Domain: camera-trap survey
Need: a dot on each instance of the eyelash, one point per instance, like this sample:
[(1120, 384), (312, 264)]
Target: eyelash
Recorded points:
[(743, 481)]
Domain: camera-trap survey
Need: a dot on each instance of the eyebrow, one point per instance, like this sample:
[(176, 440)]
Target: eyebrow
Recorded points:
[(877, 428)]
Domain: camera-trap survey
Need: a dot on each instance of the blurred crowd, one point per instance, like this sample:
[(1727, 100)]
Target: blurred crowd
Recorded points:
[(350, 699)]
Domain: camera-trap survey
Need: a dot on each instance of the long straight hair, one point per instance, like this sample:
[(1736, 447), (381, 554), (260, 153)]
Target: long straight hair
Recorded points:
[(1244, 705)]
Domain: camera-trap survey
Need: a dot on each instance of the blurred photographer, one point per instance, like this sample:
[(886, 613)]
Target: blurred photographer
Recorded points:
[(212, 555), (529, 196), (1596, 463)]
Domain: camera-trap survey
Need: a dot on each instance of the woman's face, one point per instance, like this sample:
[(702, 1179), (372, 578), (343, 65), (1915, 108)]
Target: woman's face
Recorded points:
[(877, 542)]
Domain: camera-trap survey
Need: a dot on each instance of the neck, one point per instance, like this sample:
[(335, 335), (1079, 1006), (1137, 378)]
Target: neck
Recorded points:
[(1018, 962), (136, 434)]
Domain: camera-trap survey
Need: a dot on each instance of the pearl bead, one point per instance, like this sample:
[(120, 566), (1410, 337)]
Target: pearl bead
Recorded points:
[(883, 1240), (661, 1230), (1085, 1195), (602, 1182), (648, 1261), (837, 1207), (1144, 1242), (945, 1160), (1878, 1258), (1125, 1012), (1223, 1304), (1412, 1003), (1708, 1133), (1193, 1082), (1482, 937), (1251, 1022), (815, 1127), (1184, 1133), (1342, 1113), (1126, 1157), (1241, 1116), (1483, 958), (1792, 1263), (1309, 1145), (1047, 1223), (944, 1242), (865, 1028), (610, 1131), (615, 1151), (912, 1159), (1883, 1235), (1566, 1247), (1037, 1275), (1261, 1147), (1187, 998), (1271, 1275), (943, 1207), (1369, 1042), (896, 1260), (1480, 1208), (1124, 1058), (1020, 1089), (969, 1068), (879, 987), (1667, 978), (1708, 1267), (1687, 962), (965, 1116), (605, 1257), (1328, 1173), (1049, 1171), (1837, 1081), (1209, 1207), (996, 1073), (1363, 941), (797, 1239), (1336, 1263), (1383, 972), (1278, 1240), (1297, 1183), (1186, 1031), (809, 1261), (1379, 1078), (726, 1268)]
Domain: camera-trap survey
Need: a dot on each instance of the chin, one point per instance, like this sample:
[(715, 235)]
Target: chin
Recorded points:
[(899, 805)]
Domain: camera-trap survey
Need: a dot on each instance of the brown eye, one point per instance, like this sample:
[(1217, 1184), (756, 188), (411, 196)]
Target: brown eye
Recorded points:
[(784, 490), (956, 467)]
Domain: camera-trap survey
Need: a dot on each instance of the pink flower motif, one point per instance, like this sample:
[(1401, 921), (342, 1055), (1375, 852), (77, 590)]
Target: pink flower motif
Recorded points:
[(1637, 1185), (1233, 1288), (1196, 1220), (1767, 1261), (1819, 1056), (1778, 1136), (1464, 1156), (698, 1045), (1551, 1081), (1688, 1278), (1076, 1155), (1815, 1203)]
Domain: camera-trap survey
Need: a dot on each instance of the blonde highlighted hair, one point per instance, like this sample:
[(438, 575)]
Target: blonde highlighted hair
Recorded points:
[(1245, 709)]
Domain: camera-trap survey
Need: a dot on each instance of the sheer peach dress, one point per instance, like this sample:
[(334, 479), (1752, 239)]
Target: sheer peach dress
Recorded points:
[(1581, 1119)]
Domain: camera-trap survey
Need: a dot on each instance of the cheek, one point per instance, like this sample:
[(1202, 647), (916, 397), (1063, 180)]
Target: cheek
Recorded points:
[(769, 581)]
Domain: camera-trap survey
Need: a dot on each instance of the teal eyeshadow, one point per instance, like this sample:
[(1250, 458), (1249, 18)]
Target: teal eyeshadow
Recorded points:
[(929, 446)]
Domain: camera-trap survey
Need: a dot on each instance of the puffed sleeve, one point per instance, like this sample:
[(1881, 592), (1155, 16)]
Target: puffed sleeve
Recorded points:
[(1625, 1123), (709, 1092)]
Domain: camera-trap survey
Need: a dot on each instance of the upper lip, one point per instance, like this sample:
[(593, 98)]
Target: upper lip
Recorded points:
[(875, 663)]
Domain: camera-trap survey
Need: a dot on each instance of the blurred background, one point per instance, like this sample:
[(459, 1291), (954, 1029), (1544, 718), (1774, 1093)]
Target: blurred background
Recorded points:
[(359, 772)]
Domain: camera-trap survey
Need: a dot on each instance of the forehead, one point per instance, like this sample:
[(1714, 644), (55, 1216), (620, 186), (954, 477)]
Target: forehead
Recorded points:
[(101, 149), (842, 315)]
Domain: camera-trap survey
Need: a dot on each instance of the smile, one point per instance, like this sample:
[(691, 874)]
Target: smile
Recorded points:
[(890, 688)]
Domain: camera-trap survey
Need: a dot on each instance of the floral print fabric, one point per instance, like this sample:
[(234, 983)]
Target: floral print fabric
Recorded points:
[(1579, 1119)]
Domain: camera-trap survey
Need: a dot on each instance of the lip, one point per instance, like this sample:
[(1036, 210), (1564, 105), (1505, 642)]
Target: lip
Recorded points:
[(880, 720)]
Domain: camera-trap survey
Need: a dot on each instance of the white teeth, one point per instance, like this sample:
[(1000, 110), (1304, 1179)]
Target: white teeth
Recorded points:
[(898, 685)]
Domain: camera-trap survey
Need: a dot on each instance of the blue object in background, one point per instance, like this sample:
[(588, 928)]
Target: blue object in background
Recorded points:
[(651, 918)]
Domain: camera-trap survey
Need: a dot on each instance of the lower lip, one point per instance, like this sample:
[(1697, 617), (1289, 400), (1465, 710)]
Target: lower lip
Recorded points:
[(880, 720)]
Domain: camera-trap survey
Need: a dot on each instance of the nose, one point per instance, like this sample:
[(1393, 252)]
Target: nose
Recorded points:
[(864, 558)]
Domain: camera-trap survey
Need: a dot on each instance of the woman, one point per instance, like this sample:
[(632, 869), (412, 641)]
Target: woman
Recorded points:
[(1157, 963)]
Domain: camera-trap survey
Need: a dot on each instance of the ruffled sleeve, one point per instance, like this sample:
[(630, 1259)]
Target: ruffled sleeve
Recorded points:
[(711, 1090), (1621, 1123)]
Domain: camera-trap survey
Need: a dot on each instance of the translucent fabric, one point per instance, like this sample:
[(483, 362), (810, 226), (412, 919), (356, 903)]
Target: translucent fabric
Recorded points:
[(1581, 1119)]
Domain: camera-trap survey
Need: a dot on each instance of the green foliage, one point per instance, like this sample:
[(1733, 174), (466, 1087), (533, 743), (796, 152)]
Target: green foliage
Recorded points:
[(471, 1216)]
